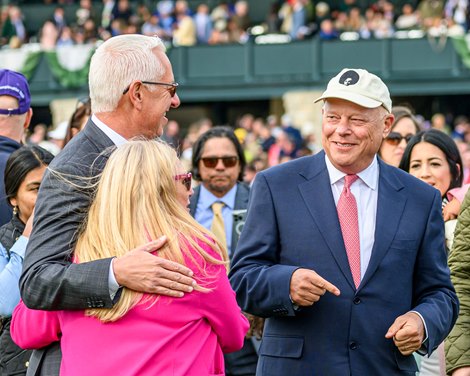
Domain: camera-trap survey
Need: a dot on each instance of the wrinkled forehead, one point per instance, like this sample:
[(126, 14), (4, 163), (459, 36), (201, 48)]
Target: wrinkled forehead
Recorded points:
[(343, 104)]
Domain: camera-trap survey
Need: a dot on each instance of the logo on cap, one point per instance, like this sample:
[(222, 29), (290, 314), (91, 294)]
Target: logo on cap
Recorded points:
[(349, 78)]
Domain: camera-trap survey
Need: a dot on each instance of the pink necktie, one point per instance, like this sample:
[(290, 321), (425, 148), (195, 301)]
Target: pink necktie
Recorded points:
[(348, 219)]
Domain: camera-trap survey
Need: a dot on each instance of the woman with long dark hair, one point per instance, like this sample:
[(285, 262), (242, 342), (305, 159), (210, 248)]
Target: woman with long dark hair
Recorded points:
[(23, 174), (432, 156)]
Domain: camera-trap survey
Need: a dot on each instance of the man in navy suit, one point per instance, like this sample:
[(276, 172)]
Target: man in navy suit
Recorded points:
[(353, 296)]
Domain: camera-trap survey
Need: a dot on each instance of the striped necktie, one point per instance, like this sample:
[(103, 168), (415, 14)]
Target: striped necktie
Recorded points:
[(348, 219)]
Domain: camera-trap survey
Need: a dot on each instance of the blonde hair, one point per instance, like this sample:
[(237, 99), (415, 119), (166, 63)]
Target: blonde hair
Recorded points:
[(117, 63), (136, 201)]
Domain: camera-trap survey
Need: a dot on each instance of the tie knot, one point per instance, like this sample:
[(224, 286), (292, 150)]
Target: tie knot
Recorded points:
[(217, 207), (349, 179)]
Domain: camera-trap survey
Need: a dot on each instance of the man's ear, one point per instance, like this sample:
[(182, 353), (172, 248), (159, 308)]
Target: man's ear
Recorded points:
[(388, 122), (27, 120), (135, 94)]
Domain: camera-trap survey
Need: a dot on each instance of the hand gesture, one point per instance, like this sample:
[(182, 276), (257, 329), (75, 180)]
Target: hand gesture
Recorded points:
[(307, 287), (407, 332), (451, 210), (141, 271), (29, 226)]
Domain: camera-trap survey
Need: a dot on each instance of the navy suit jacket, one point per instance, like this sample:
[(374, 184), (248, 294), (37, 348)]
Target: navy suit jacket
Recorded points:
[(292, 223)]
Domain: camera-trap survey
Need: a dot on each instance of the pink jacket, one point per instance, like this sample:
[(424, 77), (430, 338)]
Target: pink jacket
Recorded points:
[(458, 193), (176, 336)]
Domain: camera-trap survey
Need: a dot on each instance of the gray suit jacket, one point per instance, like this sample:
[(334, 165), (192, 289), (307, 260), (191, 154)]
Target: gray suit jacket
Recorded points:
[(50, 281), (239, 212)]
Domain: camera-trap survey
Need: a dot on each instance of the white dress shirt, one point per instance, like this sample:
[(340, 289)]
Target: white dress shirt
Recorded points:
[(118, 140)]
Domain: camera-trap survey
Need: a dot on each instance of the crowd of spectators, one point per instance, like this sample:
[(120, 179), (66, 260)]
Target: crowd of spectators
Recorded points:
[(230, 22), (272, 140)]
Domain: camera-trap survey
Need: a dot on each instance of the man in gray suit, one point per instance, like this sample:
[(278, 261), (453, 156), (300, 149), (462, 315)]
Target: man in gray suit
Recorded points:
[(218, 162), (131, 89)]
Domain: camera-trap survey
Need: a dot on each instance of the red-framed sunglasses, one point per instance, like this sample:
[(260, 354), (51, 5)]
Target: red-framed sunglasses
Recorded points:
[(186, 179)]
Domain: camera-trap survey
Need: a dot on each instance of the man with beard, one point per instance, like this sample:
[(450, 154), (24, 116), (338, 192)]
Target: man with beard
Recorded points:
[(219, 204)]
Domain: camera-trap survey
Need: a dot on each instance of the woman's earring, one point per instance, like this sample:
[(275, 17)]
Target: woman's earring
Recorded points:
[(15, 210)]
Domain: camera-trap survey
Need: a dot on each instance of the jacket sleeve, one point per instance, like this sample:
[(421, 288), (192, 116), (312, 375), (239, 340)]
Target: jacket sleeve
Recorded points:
[(33, 329), (50, 280), (223, 313), (10, 270), (457, 344)]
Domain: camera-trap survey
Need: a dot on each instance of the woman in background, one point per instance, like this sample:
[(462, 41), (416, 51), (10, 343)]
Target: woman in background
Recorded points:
[(23, 175), (78, 119), (432, 156), (136, 201), (404, 127)]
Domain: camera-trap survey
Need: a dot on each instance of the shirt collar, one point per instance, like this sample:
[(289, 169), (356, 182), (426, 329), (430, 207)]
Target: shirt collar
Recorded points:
[(115, 137), (370, 175), (207, 198)]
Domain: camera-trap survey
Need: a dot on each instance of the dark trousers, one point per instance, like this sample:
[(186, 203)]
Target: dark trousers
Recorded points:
[(243, 362)]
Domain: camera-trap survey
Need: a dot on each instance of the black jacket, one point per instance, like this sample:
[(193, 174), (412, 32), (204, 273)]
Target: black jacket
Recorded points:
[(13, 359), (7, 146)]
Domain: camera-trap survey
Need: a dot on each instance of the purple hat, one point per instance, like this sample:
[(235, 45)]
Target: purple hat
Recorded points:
[(15, 85)]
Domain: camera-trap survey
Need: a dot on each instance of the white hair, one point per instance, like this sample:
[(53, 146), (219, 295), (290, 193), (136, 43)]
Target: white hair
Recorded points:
[(117, 63)]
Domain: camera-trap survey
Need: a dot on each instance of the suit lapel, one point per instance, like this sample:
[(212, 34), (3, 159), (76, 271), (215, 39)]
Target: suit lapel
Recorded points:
[(193, 201), (242, 196), (390, 205), (239, 212), (318, 197)]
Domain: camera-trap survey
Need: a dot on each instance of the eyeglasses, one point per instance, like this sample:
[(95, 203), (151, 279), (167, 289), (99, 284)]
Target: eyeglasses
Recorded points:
[(394, 138), (186, 179), (211, 162), (172, 86)]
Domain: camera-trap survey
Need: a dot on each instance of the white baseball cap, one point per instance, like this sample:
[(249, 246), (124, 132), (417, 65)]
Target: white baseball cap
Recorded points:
[(360, 87)]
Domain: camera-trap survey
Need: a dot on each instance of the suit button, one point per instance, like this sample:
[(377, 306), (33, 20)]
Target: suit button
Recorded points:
[(353, 345), (357, 301)]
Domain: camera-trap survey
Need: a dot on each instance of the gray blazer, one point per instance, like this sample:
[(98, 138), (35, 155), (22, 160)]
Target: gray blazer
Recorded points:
[(50, 281), (239, 212)]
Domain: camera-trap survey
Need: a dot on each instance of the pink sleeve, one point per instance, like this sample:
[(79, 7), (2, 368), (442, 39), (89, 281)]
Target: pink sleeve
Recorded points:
[(458, 193), (220, 308), (33, 329)]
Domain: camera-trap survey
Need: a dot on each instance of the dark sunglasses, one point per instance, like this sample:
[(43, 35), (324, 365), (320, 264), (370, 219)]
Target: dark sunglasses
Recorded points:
[(211, 162), (186, 179), (394, 138), (172, 86)]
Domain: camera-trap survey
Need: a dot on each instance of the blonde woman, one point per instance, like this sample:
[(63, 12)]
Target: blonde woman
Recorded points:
[(142, 334)]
